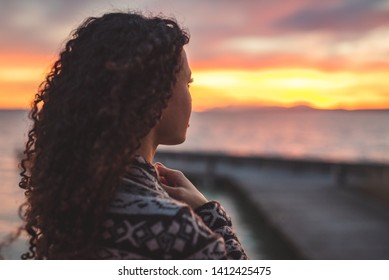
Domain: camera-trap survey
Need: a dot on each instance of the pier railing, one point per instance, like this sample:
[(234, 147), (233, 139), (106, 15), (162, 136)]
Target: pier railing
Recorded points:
[(341, 173)]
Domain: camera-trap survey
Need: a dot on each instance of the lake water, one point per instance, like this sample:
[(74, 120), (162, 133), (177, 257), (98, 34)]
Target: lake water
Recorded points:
[(332, 135), (360, 136)]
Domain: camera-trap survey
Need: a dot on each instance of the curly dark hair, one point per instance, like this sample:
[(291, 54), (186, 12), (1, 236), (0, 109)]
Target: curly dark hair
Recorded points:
[(102, 96)]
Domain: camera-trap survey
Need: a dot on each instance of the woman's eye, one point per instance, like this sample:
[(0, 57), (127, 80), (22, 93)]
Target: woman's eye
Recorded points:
[(190, 81)]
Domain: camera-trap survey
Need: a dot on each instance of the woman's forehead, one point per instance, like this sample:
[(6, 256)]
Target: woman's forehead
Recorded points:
[(185, 64)]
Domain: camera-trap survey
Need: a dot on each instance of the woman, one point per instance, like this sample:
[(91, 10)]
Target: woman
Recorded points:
[(118, 90)]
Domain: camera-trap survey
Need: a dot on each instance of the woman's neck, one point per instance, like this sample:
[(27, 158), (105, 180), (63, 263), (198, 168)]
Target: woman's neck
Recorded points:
[(147, 147)]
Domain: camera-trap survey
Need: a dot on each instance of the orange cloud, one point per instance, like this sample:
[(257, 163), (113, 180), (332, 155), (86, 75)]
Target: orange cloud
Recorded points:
[(20, 76)]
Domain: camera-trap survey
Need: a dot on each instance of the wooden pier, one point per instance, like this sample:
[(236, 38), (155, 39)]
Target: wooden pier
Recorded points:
[(323, 210)]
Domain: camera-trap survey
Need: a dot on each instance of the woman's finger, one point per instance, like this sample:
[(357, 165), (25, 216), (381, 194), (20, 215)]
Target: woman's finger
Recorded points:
[(170, 175), (163, 180), (179, 187)]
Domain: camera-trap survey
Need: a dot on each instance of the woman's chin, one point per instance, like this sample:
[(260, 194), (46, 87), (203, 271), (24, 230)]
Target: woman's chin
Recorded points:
[(174, 141)]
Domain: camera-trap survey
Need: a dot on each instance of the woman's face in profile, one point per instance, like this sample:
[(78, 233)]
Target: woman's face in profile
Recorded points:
[(171, 129)]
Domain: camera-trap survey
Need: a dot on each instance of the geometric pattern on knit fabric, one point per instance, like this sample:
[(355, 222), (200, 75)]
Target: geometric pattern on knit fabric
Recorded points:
[(143, 222)]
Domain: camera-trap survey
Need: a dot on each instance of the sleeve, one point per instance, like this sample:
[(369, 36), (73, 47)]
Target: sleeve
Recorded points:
[(215, 217)]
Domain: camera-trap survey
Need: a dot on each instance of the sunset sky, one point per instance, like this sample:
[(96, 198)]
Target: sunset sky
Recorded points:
[(326, 54)]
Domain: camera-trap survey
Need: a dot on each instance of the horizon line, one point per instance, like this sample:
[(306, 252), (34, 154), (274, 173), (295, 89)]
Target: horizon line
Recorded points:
[(243, 107)]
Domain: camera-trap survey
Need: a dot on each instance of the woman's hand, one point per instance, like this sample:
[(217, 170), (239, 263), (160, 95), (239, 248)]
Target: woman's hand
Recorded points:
[(179, 187)]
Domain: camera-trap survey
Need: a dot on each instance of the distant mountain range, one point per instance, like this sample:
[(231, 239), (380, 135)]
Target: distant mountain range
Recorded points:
[(254, 109), (300, 108)]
